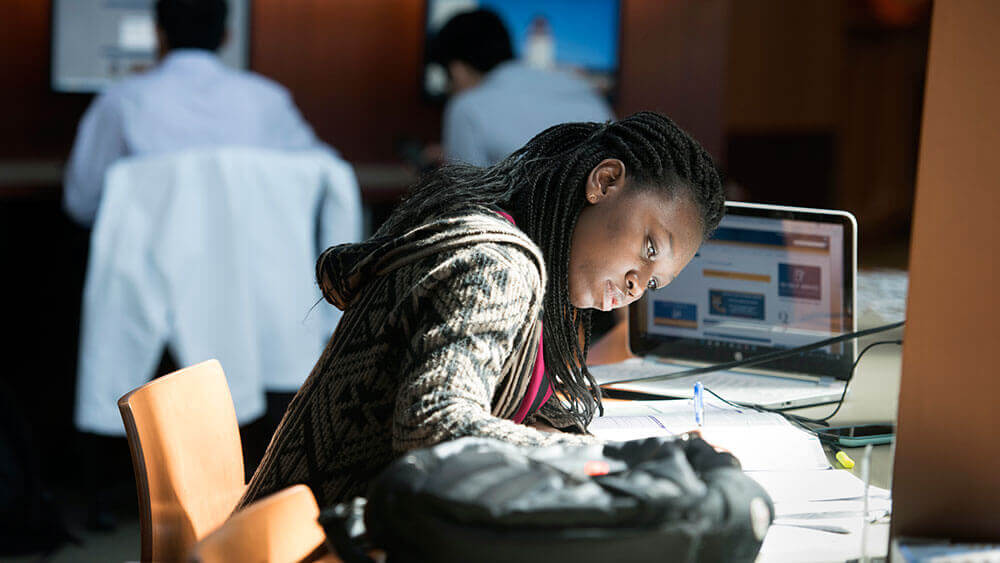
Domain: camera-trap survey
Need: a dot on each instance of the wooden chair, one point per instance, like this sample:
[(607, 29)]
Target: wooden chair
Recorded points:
[(279, 528), (187, 457)]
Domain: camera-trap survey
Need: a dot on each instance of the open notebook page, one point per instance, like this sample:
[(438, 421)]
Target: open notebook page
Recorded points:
[(760, 440)]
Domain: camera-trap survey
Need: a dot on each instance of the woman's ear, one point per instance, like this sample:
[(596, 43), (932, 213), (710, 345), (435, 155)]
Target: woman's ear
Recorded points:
[(607, 178)]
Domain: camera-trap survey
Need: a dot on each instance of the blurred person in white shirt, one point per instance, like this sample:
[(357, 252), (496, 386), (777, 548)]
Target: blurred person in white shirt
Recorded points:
[(498, 103), (189, 100)]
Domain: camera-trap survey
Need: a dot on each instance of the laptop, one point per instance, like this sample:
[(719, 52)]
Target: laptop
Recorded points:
[(770, 278)]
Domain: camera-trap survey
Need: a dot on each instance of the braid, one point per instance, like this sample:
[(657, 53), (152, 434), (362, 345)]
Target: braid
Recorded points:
[(542, 185)]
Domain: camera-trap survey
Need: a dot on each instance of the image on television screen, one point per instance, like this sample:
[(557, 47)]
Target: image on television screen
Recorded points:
[(580, 36)]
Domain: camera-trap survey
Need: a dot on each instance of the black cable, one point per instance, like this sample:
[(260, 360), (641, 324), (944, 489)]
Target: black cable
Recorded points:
[(804, 421), (770, 356), (793, 418), (840, 402), (799, 420)]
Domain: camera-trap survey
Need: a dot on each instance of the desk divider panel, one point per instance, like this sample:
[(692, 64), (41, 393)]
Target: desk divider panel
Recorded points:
[(946, 481)]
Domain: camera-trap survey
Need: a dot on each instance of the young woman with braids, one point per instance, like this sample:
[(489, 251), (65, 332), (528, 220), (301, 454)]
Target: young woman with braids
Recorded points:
[(447, 304)]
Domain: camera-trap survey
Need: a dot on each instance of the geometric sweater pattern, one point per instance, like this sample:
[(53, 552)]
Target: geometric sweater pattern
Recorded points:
[(439, 334)]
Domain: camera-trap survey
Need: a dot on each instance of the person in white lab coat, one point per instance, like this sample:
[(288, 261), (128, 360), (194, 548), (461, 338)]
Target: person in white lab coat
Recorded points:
[(498, 103), (189, 100)]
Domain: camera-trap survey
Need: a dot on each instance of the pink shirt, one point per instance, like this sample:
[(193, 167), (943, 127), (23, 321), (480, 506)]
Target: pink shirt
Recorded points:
[(539, 389)]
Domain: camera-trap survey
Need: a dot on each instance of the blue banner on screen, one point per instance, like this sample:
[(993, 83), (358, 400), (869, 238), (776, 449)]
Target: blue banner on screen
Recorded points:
[(681, 315), (737, 304), (799, 281), (772, 239)]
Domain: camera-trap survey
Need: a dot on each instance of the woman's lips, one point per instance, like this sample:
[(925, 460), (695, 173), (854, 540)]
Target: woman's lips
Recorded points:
[(613, 297)]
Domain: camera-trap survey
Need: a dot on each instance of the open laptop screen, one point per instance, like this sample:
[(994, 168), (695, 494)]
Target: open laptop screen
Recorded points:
[(769, 278)]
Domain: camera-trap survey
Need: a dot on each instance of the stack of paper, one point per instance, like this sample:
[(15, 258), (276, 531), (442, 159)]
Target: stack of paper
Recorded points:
[(760, 440), (819, 511), (734, 386), (819, 516)]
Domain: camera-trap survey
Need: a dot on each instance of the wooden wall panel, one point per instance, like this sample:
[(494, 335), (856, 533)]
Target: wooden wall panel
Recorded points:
[(784, 65), (36, 122), (353, 67), (879, 126), (946, 480), (814, 69), (674, 60)]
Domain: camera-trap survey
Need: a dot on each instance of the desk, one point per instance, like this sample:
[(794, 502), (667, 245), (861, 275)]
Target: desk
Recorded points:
[(873, 394), (872, 397)]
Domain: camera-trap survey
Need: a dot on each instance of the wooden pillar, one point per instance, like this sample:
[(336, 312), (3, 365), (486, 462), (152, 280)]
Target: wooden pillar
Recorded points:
[(946, 480)]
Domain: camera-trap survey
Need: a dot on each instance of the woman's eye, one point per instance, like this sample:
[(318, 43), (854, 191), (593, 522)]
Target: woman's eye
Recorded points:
[(650, 249), (652, 284)]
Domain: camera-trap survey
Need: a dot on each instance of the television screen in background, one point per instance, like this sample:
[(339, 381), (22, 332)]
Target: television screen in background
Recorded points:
[(580, 36), (96, 42)]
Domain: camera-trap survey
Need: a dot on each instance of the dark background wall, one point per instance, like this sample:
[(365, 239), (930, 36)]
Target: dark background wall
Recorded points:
[(353, 67), (807, 102), (823, 107)]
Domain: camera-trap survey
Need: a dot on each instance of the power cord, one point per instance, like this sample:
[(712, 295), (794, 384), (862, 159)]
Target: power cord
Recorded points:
[(799, 420), (840, 402), (763, 358), (803, 421)]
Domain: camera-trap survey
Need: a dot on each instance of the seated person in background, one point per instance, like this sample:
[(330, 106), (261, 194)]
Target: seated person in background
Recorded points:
[(190, 99), (497, 103), (446, 305)]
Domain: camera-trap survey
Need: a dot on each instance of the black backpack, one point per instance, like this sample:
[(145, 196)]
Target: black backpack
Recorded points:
[(482, 500)]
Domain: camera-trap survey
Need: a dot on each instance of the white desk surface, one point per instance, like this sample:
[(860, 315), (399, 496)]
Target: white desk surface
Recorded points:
[(872, 396)]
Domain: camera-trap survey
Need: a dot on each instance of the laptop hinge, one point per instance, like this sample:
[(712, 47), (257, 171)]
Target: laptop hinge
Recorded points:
[(818, 379)]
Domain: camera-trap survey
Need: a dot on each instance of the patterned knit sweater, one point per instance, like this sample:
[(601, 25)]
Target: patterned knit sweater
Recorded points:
[(437, 341)]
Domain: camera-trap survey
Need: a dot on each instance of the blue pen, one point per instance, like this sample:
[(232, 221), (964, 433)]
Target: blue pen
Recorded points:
[(699, 403)]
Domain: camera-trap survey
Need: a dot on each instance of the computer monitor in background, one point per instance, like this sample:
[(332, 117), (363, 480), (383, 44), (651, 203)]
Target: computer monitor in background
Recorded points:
[(576, 35), (96, 42)]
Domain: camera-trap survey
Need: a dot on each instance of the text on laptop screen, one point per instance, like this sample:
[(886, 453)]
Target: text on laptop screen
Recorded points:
[(759, 283)]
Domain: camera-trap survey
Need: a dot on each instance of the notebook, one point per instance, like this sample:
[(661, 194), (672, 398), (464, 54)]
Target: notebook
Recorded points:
[(770, 278), (762, 441)]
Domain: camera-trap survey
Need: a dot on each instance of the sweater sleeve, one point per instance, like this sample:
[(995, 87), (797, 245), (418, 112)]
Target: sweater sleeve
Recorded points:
[(462, 323)]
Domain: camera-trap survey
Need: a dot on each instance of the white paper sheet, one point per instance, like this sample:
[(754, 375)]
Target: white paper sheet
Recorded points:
[(822, 485), (806, 501), (803, 545), (760, 440), (810, 499)]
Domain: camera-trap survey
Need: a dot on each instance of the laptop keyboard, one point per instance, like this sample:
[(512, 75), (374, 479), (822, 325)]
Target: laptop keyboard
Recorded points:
[(734, 386)]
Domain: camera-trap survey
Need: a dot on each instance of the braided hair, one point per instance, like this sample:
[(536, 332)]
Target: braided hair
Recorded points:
[(542, 185)]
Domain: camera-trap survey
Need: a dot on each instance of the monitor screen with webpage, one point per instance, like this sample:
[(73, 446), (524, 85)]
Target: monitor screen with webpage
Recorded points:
[(96, 42), (769, 278)]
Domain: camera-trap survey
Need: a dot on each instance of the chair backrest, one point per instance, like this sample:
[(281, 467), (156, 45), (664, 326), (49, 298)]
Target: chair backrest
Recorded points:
[(187, 457), (278, 528)]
